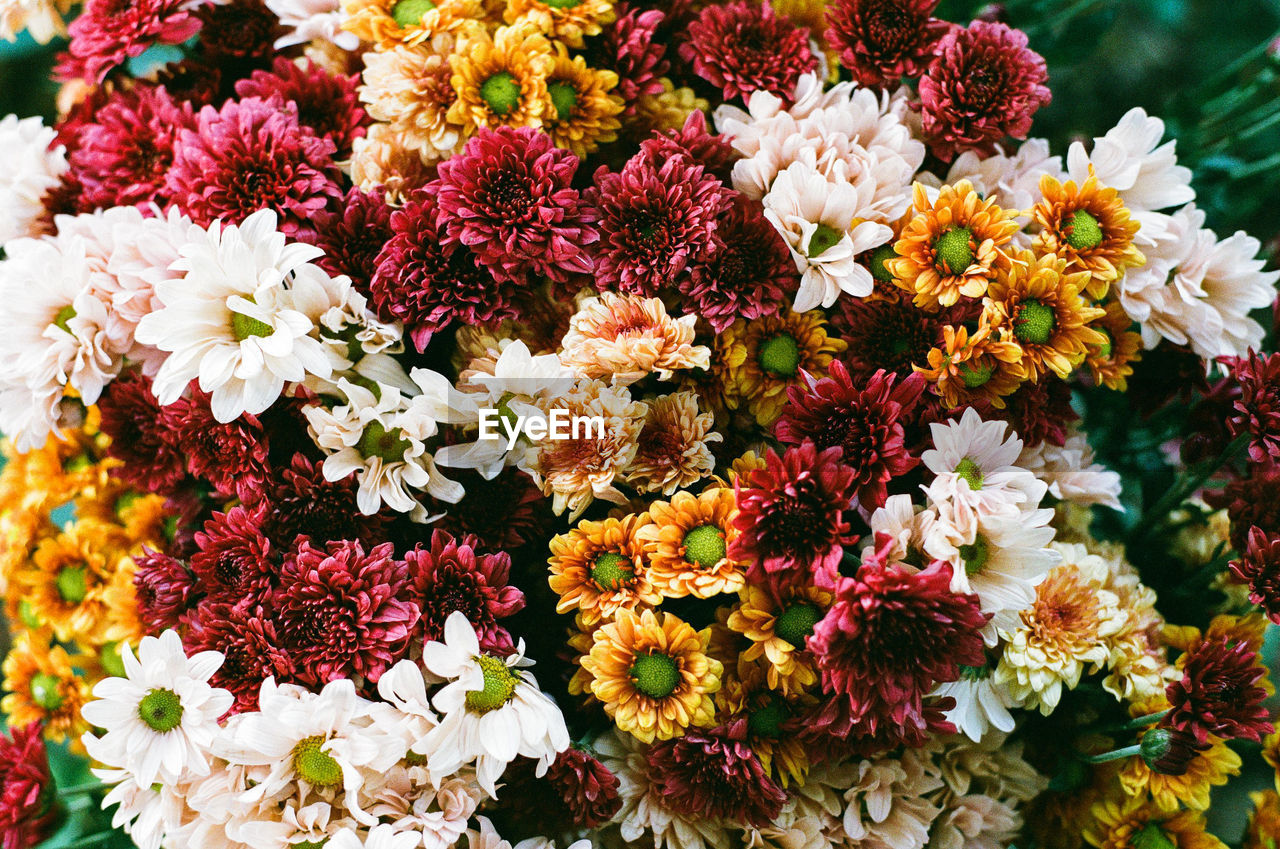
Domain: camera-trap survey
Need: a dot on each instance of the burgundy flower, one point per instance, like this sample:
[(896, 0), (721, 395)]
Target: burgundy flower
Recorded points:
[(327, 103), (656, 216), (300, 501), (429, 285), (836, 727), (503, 513), (239, 30), (1038, 411), (450, 575), (791, 516), (576, 792), (713, 152), (235, 560), (344, 612), (710, 773), (1257, 411), (28, 795), (1164, 374), (893, 335), (125, 153), (231, 456), (1259, 567), (891, 635), (744, 47), (163, 588), (250, 155), (1218, 693), (148, 451), (881, 41), (508, 198), (194, 81), (985, 84), (746, 272), (252, 650), (633, 50), (353, 237), (1252, 501), (107, 32)]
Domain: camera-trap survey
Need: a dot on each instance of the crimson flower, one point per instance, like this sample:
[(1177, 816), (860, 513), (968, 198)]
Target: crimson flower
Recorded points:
[(881, 41), (28, 796), (1257, 410), (163, 589), (713, 773), (251, 648), (1218, 694), (1259, 567), (451, 575), (744, 47), (107, 32), (148, 450)]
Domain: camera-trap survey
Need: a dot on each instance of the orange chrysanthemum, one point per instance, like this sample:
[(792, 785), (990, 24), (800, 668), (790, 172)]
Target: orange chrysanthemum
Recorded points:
[(43, 687), (968, 367), (1133, 822), (1088, 227), (1040, 303), (1111, 361), (778, 629), (387, 23), (653, 674), (67, 581), (952, 247), (501, 79), (599, 568), (673, 451), (584, 113), (688, 541), (1263, 831), (564, 20)]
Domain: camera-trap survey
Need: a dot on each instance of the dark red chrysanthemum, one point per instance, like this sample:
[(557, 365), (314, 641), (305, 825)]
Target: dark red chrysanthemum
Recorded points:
[(28, 795), (864, 420), (163, 589), (239, 31), (576, 792), (1252, 501), (148, 451), (235, 560), (711, 773), (124, 154), (1164, 374), (1038, 411), (632, 49), (656, 216), (503, 513), (745, 274), (834, 728), (1218, 694), (744, 47), (1259, 567), (790, 518), (450, 575), (300, 501), (985, 84), (882, 41), (192, 81), (508, 197), (249, 155), (326, 103), (1257, 411), (429, 285), (892, 335), (344, 612), (891, 635), (252, 650), (695, 139), (107, 32), (231, 456), (353, 237)]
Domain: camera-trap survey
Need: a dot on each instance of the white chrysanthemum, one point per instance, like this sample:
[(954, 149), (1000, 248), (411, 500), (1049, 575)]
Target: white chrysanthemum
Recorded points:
[(975, 822), (1131, 160), (886, 807), (901, 520), (147, 814), (236, 321), (493, 712), (980, 703), (384, 836), (438, 815), (312, 20), (810, 818), (821, 225), (1071, 472), (284, 825), (1198, 290), (31, 167), (162, 717)]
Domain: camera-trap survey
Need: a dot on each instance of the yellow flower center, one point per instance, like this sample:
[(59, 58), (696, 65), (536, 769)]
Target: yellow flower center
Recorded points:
[(780, 355), (499, 685), (655, 675), (878, 256), (28, 614), (501, 92), (1151, 837), (62, 320), (71, 584), (314, 765), (161, 710), (563, 97), (704, 546), (1034, 323), (975, 556), (823, 238), (970, 473), (562, 4), (796, 622), (612, 571), (409, 13), (953, 251), (1083, 232), (44, 691), (377, 441), (1107, 346)]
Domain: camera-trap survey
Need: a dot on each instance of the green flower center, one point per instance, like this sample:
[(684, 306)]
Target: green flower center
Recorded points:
[(71, 584), (244, 326), (44, 691), (562, 4), (1151, 837), (780, 355), (767, 721), (377, 441), (612, 571), (877, 266), (314, 765), (563, 97), (28, 614), (953, 251), (974, 376), (62, 320), (501, 92), (823, 238), (975, 673), (969, 473), (1107, 346), (310, 844), (408, 13), (499, 685), (161, 710), (1034, 323), (975, 555), (109, 657), (704, 546), (655, 675), (796, 622), (1083, 232)]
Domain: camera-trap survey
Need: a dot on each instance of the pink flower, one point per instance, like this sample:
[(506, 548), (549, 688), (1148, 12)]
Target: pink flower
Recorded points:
[(235, 560), (450, 575), (1218, 693), (743, 47), (108, 32), (633, 49), (881, 41), (163, 589), (713, 774), (1259, 567), (251, 648), (1257, 410), (28, 795), (327, 103)]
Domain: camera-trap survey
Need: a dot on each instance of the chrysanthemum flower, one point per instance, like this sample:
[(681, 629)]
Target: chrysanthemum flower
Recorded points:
[(36, 168), (388, 23), (1040, 411), (42, 686), (501, 79), (1088, 226), (666, 111), (779, 626), (891, 800), (983, 84), (652, 674), (673, 449), (148, 451), (577, 792), (381, 162), (892, 334), (503, 513), (163, 589), (250, 644), (231, 456), (27, 813), (759, 360), (628, 337), (235, 560), (238, 30), (984, 365), (741, 48), (410, 88), (1119, 824), (1111, 361), (108, 32), (1257, 411), (584, 109), (952, 247), (881, 41), (68, 577), (326, 102), (450, 575), (1042, 302), (864, 421), (695, 138), (1171, 790), (633, 50), (716, 774), (353, 237), (599, 568), (565, 22), (687, 542), (1219, 692), (1259, 567)]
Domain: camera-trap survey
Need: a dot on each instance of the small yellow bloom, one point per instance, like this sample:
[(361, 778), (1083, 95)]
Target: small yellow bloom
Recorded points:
[(43, 686), (1089, 228), (564, 20), (688, 541), (599, 568), (501, 79)]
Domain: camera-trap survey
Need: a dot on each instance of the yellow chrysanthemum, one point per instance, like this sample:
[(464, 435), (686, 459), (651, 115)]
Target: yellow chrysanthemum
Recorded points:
[(952, 246), (43, 686), (688, 541), (653, 674), (564, 20), (1111, 361), (983, 365), (68, 577), (746, 695), (387, 23), (778, 629), (501, 79), (758, 360), (1089, 228), (667, 110), (1211, 768), (599, 568), (584, 113), (1134, 823), (1263, 831)]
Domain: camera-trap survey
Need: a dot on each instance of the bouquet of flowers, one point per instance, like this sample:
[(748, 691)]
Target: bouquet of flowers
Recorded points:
[(537, 423)]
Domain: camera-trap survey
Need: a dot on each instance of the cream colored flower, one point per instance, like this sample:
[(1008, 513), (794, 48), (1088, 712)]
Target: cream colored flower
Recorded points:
[(673, 451), (627, 337)]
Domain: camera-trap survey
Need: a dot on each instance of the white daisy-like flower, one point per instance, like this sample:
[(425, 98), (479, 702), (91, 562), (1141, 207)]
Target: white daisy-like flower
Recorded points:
[(312, 20), (383, 836), (408, 706), (162, 717), (904, 522), (147, 814), (32, 166), (493, 711), (1071, 472), (980, 703), (821, 225), (886, 807), (233, 319), (1131, 160)]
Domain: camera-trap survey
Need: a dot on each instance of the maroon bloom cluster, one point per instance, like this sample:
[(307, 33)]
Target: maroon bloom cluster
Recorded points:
[(28, 797)]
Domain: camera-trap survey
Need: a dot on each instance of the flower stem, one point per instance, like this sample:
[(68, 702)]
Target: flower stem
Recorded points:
[(1186, 484), (1113, 755)]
